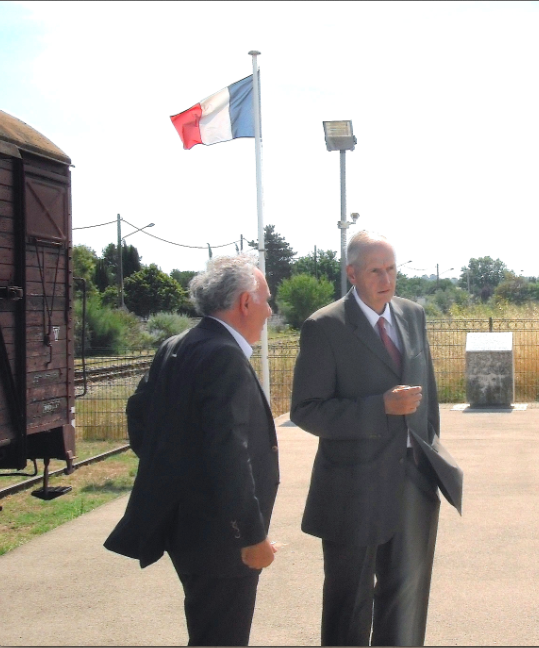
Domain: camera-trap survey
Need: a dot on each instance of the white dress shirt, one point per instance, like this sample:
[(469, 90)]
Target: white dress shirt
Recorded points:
[(242, 342), (373, 318), (390, 327)]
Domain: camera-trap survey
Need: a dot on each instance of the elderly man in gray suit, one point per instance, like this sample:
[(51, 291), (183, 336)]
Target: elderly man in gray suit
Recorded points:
[(364, 384)]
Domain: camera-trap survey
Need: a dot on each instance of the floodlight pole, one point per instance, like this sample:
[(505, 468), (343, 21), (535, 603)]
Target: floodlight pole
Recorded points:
[(340, 137), (343, 225)]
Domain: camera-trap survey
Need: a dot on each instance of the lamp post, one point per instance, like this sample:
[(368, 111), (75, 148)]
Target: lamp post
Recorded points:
[(404, 263), (339, 137), (438, 275), (121, 302)]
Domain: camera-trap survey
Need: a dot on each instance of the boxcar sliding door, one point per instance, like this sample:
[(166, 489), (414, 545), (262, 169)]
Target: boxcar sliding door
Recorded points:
[(49, 309)]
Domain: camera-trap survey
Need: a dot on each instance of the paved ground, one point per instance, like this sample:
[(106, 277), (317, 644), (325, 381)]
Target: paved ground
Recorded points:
[(64, 589)]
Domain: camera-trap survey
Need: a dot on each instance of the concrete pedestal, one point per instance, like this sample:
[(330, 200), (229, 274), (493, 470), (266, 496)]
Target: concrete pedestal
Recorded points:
[(490, 370)]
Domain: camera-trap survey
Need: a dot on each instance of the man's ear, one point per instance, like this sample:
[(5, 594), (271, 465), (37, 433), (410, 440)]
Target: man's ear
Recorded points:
[(244, 302), (351, 273)]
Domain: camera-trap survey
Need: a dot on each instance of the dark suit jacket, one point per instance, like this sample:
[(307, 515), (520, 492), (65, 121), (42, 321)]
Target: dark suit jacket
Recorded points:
[(341, 374), (208, 470)]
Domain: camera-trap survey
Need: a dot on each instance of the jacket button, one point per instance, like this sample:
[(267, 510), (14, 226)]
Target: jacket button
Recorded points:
[(274, 449)]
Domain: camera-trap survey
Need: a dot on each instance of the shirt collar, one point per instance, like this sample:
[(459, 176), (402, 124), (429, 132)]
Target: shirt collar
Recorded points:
[(242, 342), (371, 315)]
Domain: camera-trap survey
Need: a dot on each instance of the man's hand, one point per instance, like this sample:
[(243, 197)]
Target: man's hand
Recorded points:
[(402, 399), (259, 555)]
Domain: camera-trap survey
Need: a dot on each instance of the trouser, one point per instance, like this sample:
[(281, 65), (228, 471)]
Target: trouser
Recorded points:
[(219, 611), (378, 595)]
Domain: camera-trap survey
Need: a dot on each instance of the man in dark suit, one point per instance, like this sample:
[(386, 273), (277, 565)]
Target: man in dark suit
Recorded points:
[(369, 394), (208, 471)]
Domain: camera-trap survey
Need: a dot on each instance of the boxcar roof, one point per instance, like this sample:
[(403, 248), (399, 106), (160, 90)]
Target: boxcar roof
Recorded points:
[(14, 131)]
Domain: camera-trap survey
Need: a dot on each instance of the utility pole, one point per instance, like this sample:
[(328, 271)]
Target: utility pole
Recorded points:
[(120, 265)]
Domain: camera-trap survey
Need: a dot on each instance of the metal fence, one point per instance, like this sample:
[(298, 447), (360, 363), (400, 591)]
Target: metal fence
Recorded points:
[(100, 412), (447, 340), (102, 387)]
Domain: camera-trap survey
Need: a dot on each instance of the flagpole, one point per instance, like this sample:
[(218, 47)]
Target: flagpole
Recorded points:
[(259, 203)]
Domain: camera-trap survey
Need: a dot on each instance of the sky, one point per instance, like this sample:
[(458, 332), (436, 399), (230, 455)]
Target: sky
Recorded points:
[(443, 98)]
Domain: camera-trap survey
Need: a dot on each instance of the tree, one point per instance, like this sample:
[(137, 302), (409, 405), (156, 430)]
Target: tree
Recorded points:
[(151, 291), (516, 290), (84, 264), (278, 260), (110, 261), (103, 276), (183, 277), (481, 276), (415, 287), (130, 261), (301, 295), (323, 263)]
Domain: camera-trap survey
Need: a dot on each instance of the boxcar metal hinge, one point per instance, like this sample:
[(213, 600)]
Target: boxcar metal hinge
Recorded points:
[(11, 292)]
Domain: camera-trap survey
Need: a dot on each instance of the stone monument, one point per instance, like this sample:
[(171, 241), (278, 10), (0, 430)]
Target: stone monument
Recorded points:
[(490, 378)]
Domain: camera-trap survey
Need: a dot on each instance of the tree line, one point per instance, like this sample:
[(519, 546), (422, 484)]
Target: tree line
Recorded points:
[(298, 285)]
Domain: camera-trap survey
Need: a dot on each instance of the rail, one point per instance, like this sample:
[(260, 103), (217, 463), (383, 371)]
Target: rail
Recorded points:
[(28, 483), (112, 371)]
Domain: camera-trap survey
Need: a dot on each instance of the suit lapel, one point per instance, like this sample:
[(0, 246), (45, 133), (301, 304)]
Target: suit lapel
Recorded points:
[(404, 333), (262, 392), (402, 328)]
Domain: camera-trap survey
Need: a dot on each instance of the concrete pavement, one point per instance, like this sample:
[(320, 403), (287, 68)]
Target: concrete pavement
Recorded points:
[(65, 589)]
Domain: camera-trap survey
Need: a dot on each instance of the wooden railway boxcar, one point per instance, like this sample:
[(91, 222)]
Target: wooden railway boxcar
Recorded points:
[(37, 394)]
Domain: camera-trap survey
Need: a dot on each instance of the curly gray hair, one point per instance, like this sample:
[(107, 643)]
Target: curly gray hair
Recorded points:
[(222, 283)]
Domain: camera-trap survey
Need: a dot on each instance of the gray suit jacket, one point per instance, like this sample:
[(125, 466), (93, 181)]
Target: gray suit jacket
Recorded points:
[(341, 374)]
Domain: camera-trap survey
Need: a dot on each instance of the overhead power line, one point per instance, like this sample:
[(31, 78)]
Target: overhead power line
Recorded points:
[(193, 247), (100, 225)]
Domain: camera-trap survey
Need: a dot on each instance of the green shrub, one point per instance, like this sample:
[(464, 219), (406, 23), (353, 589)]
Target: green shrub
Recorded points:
[(110, 330), (161, 326), (301, 295)]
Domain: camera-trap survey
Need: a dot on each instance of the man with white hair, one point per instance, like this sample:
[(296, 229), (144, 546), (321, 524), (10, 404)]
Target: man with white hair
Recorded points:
[(364, 384), (208, 472)]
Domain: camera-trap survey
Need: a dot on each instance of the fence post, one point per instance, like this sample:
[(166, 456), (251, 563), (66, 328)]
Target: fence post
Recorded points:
[(490, 324)]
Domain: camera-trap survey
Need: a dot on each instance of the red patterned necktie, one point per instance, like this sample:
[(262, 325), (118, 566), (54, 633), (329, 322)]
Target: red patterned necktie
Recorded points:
[(389, 344)]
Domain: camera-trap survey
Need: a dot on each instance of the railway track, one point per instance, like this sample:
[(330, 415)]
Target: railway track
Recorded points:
[(112, 371), (28, 483)]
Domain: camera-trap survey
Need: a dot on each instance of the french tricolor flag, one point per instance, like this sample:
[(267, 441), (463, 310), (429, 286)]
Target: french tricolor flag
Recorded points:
[(223, 116)]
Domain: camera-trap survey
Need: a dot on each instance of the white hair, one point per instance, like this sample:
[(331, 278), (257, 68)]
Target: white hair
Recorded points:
[(358, 244)]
